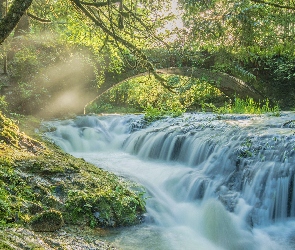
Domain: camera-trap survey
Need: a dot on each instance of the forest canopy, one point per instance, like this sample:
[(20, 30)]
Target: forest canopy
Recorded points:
[(252, 40)]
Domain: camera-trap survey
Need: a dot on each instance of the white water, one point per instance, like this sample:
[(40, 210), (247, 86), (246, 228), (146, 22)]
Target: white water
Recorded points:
[(212, 184)]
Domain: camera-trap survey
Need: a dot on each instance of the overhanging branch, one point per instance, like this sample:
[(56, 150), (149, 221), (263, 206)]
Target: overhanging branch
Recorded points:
[(275, 5), (39, 19), (97, 21), (100, 4)]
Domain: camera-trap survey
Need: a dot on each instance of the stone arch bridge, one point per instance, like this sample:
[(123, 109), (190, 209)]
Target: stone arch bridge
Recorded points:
[(229, 85)]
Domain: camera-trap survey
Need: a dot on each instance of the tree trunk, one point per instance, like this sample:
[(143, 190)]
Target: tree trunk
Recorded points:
[(14, 14)]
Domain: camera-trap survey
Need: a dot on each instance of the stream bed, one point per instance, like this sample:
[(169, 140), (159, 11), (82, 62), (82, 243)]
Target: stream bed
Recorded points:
[(212, 181)]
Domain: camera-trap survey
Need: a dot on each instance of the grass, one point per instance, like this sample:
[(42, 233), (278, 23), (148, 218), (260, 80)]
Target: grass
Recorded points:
[(247, 106)]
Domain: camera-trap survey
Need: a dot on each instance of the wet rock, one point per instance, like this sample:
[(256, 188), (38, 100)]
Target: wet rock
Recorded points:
[(229, 200), (71, 238)]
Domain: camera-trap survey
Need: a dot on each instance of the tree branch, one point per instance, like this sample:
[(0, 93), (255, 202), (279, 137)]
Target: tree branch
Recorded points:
[(97, 21), (14, 14), (275, 5), (39, 19), (146, 27), (100, 4), (288, 123)]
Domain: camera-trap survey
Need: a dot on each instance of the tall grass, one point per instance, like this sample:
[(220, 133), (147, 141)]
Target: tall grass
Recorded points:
[(247, 106)]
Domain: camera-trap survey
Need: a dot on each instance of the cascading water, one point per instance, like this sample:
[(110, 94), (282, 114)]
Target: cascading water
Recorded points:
[(213, 182)]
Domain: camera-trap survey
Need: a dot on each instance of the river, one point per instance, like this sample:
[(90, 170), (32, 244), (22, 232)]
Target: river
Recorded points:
[(212, 181)]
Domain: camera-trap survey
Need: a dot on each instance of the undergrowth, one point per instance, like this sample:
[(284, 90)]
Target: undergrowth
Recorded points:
[(247, 106)]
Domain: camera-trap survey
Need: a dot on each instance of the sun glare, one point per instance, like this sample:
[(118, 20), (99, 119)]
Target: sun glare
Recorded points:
[(175, 24)]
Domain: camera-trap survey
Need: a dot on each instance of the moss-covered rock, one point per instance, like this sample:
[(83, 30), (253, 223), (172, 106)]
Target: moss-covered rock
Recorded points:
[(106, 207), (48, 221), (34, 208), (38, 176)]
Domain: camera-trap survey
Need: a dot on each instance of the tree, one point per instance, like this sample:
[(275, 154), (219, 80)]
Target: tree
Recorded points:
[(129, 26), (275, 4), (11, 19), (239, 26), (112, 34), (247, 39), (111, 17)]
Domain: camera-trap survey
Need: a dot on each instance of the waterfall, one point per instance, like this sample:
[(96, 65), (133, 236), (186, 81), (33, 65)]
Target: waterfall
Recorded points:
[(216, 179)]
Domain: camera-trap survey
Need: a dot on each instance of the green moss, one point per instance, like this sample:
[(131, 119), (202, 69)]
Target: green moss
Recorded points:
[(9, 132), (106, 207), (48, 165), (48, 221), (34, 208), (37, 176), (5, 245)]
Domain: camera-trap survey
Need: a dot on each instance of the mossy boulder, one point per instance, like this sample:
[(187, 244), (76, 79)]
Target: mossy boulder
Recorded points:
[(106, 207), (38, 176), (34, 208), (48, 221)]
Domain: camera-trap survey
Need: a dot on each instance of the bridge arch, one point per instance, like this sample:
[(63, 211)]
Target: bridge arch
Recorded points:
[(229, 85)]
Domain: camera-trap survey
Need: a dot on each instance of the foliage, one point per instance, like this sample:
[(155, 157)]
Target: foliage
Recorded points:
[(116, 34), (278, 74), (43, 71), (3, 104), (252, 40), (238, 26), (249, 39), (146, 94), (248, 106), (63, 33), (153, 114)]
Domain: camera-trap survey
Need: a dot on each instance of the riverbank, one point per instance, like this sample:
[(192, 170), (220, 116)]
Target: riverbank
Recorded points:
[(67, 238), (51, 200)]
